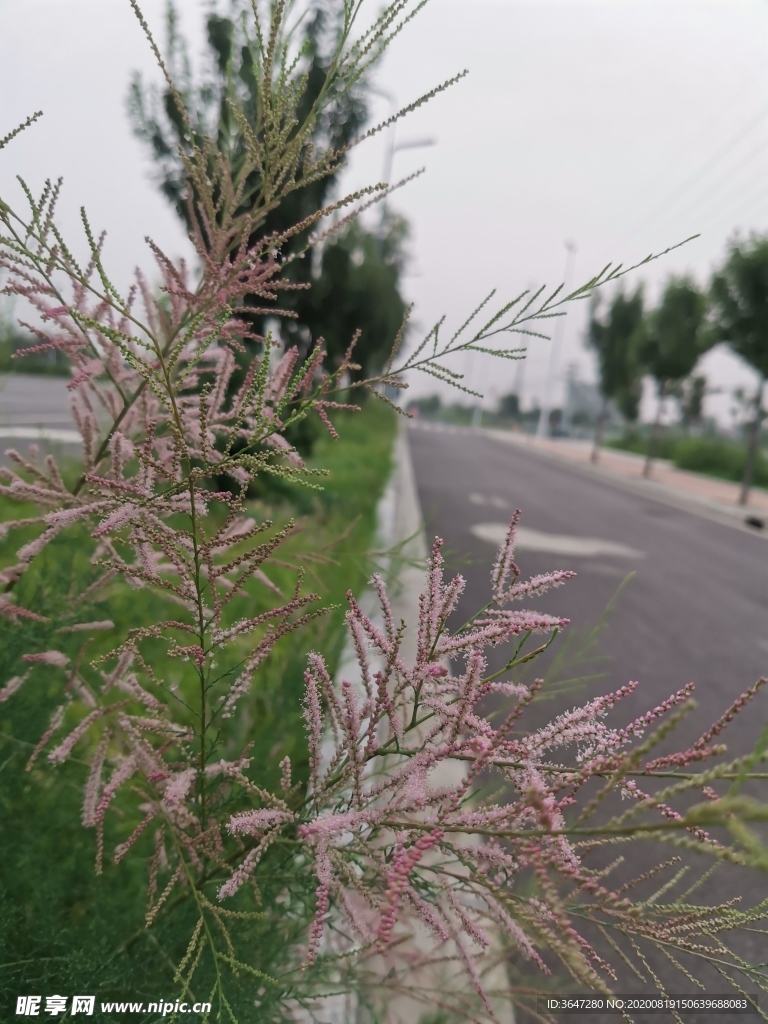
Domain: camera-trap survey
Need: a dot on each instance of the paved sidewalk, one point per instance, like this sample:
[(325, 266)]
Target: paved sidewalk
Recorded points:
[(704, 495)]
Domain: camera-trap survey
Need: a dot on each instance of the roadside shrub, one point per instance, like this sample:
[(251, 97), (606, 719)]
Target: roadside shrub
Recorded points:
[(14, 358), (718, 457), (636, 441)]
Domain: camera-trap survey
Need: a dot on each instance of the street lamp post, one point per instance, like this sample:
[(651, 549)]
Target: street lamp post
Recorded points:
[(389, 156), (392, 148), (554, 353)]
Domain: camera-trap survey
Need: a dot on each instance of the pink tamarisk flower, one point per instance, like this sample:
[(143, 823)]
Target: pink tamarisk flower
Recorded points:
[(397, 879), (251, 822), (504, 567), (15, 611), (329, 826), (316, 931), (179, 785), (56, 658), (396, 768), (12, 686), (62, 751), (313, 718), (535, 585), (247, 866), (33, 549)]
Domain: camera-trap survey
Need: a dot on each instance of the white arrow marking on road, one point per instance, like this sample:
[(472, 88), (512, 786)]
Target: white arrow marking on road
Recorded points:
[(555, 543), (482, 499)]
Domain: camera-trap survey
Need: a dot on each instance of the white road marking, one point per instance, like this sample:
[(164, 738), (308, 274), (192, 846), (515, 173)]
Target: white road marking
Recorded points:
[(492, 500), (42, 434), (438, 428), (555, 543), (615, 572)]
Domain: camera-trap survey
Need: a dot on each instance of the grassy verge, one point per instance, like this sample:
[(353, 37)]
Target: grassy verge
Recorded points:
[(713, 456), (62, 928)]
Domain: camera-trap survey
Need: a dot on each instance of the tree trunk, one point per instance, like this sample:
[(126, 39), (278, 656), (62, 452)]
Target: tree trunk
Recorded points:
[(654, 431), (754, 436), (599, 428)]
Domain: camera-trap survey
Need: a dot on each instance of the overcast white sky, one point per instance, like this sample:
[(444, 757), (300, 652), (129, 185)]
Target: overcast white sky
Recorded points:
[(622, 125)]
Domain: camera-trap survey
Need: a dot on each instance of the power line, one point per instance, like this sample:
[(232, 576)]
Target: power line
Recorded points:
[(702, 172), (726, 179), (745, 200)]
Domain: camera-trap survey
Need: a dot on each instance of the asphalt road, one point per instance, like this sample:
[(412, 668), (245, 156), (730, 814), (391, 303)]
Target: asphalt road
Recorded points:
[(35, 409), (696, 608), (33, 400)]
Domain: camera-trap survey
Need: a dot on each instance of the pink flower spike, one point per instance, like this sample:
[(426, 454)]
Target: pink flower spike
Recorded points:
[(503, 567), (179, 786), (55, 658), (258, 821), (65, 748), (12, 686)]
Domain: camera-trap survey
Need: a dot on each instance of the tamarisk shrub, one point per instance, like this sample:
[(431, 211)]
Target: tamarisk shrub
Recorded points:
[(388, 827)]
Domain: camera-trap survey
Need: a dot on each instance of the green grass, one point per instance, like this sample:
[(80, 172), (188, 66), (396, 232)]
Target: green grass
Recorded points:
[(61, 926)]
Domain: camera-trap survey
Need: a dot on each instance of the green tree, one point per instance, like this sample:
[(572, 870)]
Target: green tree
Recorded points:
[(671, 339), (355, 275), (509, 406), (690, 395), (429, 406), (739, 294), (613, 338), (357, 289), (13, 359)]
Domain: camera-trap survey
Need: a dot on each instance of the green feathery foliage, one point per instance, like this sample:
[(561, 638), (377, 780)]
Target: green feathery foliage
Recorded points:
[(355, 275)]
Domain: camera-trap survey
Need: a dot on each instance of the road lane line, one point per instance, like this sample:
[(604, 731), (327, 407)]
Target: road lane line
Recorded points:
[(42, 434)]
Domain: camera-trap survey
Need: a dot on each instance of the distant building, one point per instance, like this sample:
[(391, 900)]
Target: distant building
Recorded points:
[(582, 406)]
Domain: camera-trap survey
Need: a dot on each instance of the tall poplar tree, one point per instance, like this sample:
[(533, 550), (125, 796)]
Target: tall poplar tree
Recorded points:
[(672, 338), (739, 292), (613, 338)]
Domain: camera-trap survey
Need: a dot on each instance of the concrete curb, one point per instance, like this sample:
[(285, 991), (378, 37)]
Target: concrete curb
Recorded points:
[(407, 534), (708, 508), (405, 523), (401, 529)]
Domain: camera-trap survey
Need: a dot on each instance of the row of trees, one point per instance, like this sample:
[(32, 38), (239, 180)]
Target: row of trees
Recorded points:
[(667, 341)]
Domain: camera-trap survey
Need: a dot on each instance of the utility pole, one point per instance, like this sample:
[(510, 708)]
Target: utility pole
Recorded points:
[(469, 372), (570, 384), (519, 384), (554, 352)]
